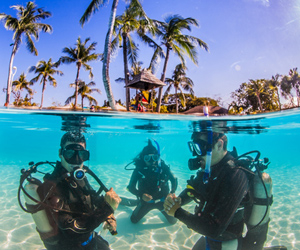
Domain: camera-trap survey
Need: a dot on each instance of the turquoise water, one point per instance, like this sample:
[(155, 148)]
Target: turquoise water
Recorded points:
[(114, 139)]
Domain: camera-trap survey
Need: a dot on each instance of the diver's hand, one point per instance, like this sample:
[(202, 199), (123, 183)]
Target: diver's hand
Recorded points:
[(171, 204), (110, 223), (147, 197), (112, 198)]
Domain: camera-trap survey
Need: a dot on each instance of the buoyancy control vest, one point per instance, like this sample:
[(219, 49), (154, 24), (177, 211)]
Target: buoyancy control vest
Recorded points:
[(36, 204), (256, 205)]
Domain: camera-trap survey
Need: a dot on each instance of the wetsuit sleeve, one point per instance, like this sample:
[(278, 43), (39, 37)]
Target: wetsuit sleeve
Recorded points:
[(133, 182), (218, 212)]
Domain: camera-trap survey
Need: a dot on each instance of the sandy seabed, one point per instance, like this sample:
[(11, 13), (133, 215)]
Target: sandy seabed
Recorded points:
[(17, 229)]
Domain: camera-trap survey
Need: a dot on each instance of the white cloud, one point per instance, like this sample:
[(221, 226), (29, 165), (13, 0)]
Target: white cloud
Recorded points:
[(263, 2)]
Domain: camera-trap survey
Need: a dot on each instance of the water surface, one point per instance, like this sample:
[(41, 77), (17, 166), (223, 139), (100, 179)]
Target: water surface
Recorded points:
[(114, 139)]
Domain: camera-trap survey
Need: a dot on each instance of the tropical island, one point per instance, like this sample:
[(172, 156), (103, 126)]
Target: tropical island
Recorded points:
[(170, 36)]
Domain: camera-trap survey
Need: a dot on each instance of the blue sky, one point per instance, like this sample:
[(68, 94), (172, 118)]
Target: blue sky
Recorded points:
[(247, 39)]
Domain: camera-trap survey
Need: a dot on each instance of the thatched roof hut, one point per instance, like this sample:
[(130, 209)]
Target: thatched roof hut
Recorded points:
[(145, 81)]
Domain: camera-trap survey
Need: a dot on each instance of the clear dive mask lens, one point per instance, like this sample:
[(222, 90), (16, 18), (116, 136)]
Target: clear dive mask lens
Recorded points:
[(198, 148), (154, 157), (75, 154)]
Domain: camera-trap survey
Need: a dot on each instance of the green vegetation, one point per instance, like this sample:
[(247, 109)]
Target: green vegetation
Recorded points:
[(84, 91), (45, 71), (134, 19), (81, 54), (264, 95), (170, 33), (27, 24), (180, 82), (20, 85), (164, 37), (92, 8)]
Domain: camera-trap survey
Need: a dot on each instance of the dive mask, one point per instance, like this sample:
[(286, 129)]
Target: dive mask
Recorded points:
[(155, 157), (198, 148), (75, 154)]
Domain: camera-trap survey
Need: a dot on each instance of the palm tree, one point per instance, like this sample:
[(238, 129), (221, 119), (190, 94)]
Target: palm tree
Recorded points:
[(133, 19), (45, 71), (170, 32), (180, 82), (92, 8), (275, 85), (84, 91), (81, 54), (256, 88), (21, 84), (27, 23), (294, 80)]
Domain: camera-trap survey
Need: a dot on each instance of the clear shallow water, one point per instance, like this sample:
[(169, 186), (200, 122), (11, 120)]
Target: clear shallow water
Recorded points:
[(114, 139)]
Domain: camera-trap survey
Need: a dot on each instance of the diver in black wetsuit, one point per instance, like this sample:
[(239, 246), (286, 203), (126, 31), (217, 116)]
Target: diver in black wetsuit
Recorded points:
[(152, 176), (80, 210), (219, 213)]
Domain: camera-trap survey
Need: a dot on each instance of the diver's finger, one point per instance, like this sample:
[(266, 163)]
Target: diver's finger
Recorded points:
[(170, 200), (178, 200)]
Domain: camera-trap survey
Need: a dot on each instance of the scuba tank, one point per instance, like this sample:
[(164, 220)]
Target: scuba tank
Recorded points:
[(258, 209), (40, 217), (261, 197)]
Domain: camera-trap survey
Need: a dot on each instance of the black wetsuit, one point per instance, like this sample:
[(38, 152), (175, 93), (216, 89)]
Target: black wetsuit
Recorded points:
[(72, 230), (155, 183), (220, 214)]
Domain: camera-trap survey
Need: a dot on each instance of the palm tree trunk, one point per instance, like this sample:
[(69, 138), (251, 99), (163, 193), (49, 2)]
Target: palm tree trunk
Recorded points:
[(9, 80), (18, 95), (163, 80), (176, 100), (76, 86), (106, 59), (278, 99), (126, 71), (259, 102), (82, 102), (43, 90)]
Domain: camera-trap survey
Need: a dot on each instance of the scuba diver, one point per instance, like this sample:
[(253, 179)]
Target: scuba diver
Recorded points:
[(65, 208), (233, 202), (152, 175)]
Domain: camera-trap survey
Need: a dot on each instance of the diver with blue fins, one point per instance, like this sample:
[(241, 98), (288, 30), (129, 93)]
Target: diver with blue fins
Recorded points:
[(232, 193), (65, 208), (150, 183)]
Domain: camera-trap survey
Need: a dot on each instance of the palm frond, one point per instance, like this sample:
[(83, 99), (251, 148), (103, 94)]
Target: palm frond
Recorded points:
[(91, 9)]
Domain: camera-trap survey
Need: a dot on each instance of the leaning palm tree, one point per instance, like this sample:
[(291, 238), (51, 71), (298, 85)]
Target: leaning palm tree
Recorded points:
[(170, 33), (130, 21), (84, 90), (27, 23), (180, 82), (45, 71), (81, 54), (21, 84), (92, 8)]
